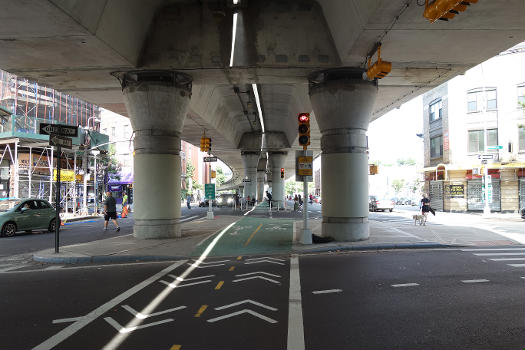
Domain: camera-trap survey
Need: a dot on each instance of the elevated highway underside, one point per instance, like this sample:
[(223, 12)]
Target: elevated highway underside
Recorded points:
[(80, 47)]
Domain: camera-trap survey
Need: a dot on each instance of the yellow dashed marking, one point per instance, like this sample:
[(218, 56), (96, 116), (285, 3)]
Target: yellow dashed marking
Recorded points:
[(252, 235), (239, 257), (219, 285), (201, 310), (175, 347), (231, 268)]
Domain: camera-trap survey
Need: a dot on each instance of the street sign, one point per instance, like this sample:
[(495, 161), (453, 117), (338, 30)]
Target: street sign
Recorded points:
[(61, 141), (494, 147), (485, 156), (58, 129), (246, 180), (209, 191), (210, 159), (303, 166)]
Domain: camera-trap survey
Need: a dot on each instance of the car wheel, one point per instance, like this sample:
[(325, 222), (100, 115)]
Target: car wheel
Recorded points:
[(52, 226), (9, 229), (390, 210)]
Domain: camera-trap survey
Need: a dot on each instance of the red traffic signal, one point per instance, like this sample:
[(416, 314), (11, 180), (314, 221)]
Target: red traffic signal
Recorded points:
[(282, 173), (304, 118), (304, 129)]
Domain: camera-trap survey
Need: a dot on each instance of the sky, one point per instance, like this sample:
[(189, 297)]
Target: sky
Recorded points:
[(393, 136)]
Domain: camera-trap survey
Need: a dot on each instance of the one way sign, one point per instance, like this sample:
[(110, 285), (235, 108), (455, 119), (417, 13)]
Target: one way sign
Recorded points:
[(61, 141), (58, 129)]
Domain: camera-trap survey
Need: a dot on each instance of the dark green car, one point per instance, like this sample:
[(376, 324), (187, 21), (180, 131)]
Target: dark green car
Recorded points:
[(26, 215)]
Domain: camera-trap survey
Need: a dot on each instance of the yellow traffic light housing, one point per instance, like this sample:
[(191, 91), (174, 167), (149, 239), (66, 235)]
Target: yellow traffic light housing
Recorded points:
[(380, 68), (282, 173), (304, 130), (213, 174), (445, 9), (372, 169), (205, 144)]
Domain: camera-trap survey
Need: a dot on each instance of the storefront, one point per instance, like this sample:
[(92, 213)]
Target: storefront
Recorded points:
[(120, 184)]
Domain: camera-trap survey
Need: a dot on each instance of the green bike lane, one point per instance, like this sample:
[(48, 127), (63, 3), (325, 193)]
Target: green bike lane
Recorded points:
[(251, 236)]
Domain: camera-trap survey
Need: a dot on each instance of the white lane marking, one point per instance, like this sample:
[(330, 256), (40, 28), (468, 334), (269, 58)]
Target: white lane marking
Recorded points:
[(205, 239), (405, 285), (121, 329), (263, 261), (210, 262), (489, 249), (245, 311), (142, 316), (264, 257), (249, 211), (255, 277), (326, 291), (172, 285), (246, 301), (13, 267), (66, 320), (509, 259), (188, 219), (257, 273), (54, 267), (475, 281), (295, 310), (93, 315), (4, 265), (517, 265), (495, 254), (205, 266), (178, 278)]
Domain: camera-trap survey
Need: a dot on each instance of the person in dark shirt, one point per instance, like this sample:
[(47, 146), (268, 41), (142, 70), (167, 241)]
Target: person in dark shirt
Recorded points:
[(110, 211), (425, 207)]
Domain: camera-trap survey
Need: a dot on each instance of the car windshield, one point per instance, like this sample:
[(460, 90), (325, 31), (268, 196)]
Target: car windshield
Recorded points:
[(8, 204)]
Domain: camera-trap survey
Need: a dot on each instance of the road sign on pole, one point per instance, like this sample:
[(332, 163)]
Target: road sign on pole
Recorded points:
[(58, 129), (303, 166), (485, 156), (209, 191), (56, 140), (494, 147), (210, 159)]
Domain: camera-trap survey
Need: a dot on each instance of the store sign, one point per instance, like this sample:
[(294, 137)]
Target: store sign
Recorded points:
[(456, 191), (65, 175)]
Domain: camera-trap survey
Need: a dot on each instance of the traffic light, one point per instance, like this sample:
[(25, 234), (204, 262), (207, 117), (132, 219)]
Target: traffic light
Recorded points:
[(380, 68), (445, 9), (304, 129), (282, 173), (213, 174), (205, 144)]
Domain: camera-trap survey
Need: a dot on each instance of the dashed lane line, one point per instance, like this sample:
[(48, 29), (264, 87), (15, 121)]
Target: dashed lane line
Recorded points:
[(490, 249), (517, 265), (495, 254), (201, 310), (327, 291), (405, 285), (295, 310), (475, 281), (509, 259), (252, 235), (93, 315)]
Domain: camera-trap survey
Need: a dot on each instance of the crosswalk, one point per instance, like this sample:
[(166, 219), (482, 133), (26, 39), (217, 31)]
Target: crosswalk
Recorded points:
[(397, 220), (514, 257)]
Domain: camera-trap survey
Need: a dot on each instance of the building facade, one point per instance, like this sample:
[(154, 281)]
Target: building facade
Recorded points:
[(473, 123)]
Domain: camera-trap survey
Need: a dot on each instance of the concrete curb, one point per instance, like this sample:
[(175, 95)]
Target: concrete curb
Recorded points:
[(82, 218), (51, 258)]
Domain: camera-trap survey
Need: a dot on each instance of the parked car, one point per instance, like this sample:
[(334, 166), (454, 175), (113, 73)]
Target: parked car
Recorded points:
[(225, 200), (375, 204), (26, 215)]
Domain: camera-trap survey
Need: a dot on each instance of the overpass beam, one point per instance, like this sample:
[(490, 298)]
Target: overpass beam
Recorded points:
[(157, 103), (342, 102), (277, 160), (250, 161)]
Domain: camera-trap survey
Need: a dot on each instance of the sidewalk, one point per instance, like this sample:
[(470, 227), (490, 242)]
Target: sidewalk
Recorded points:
[(274, 236)]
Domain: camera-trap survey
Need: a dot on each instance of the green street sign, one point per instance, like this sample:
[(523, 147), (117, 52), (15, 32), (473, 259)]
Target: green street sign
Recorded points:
[(495, 147), (209, 191)]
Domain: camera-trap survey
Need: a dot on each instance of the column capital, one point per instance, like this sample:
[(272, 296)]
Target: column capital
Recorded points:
[(136, 78)]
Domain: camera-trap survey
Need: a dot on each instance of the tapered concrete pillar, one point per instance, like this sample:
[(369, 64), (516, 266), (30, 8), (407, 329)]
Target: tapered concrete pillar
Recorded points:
[(260, 185), (157, 102), (342, 102), (250, 161), (276, 160)]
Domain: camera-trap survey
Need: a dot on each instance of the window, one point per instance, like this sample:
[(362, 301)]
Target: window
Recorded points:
[(476, 140), (521, 96), (521, 138), (436, 147), (436, 109), (126, 131), (113, 131), (475, 99)]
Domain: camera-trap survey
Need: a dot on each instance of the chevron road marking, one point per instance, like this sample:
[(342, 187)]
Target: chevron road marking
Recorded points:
[(121, 329), (210, 262), (244, 302), (171, 285), (245, 311), (263, 261), (264, 257), (189, 279), (256, 273), (142, 316), (254, 277)]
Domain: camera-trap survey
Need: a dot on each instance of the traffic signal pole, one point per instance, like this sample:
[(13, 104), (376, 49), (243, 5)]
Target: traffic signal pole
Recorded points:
[(57, 201), (306, 237)]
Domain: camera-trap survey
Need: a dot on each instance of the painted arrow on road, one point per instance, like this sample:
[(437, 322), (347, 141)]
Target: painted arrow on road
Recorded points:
[(263, 261), (246, 301), (258, 273), (245, 311), (264, 257), (123, 330)]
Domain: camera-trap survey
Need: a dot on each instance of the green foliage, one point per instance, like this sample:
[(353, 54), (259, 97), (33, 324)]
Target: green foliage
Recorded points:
[(416, 186), (110, 162), (220, 177), (398, 185), (406, 162)]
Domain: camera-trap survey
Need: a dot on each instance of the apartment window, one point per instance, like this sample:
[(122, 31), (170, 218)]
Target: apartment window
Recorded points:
[(521, 138), (436, 109), (436, 147), (476, 140), (476, 97), (521, 95)]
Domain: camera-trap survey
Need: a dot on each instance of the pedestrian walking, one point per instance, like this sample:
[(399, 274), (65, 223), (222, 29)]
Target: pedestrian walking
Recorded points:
[(269, 196), (425, 207), (110, 211), (188, 201)]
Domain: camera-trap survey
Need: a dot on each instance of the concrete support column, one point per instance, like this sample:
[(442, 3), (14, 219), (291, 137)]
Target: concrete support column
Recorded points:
[(260, 185), (342, 102), (250, 161), (157, 102), (276, 160)]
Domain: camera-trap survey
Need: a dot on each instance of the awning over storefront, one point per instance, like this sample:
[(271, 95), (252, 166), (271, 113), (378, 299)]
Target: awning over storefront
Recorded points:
[(124, 177)]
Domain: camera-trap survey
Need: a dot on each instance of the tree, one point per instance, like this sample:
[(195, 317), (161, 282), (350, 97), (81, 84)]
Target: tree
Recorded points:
[(220, 177), (406, 162), (190, 169), (398, 185), (416, 186), (110, 163)]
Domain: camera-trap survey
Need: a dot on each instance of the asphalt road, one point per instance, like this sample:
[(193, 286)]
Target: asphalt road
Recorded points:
[(434, 299)]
